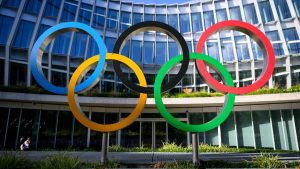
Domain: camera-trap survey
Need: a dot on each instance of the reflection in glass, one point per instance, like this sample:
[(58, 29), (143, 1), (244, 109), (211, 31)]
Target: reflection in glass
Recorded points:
[(64, 129), (136, 51), (61, 43), (13, 124), (5, 27), (29, 125), (297, 6), (173, 49), (148, 52), (137, 18), (79, 43), (18, 75), (23, 35), (242, 48), (291, 34), (235, 13), (184, 23), (3, 122), (47, 129), (266, 11), (69, 12), (146, 134), (211, 135), (213, 50), (221, 15), (52, 8), (282, 9), (196, 22), (131, 135), (160, 134), (262, 128), (244, 129), (227, 50), (33, 6), (161, 53), (208, 19), (250, 14), (228, 134), (99, 17), (172, 20)]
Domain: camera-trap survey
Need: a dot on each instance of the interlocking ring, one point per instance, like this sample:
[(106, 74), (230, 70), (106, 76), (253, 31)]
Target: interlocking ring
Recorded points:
[(74, 104), (41, 44), (258, 36), (74, 88), (229, 100), (157, 26)]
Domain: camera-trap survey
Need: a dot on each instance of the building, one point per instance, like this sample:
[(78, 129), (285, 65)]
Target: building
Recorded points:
[(266, 121)]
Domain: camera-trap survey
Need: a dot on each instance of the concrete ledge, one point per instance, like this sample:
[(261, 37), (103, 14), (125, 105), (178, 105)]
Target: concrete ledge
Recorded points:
[(170, 102)]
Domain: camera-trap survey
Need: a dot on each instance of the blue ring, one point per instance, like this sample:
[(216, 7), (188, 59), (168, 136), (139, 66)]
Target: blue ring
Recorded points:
[(35, 64)]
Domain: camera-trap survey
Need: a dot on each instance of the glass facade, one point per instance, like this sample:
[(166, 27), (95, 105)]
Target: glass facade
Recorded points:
[(150, 50), (274, 128)]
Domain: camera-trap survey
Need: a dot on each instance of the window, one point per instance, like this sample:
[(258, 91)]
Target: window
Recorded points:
[(173, 49), (112, 19), (42, 29), (213, 50), (161, 18), (125, 50), (208, 19), (23, 35), (148, 52), (18, 75), (69, 12), (33, 6), (149, 17), (126, 20), (79, 43), (221, 15), (136, 51), (173, 21), (137, 18), (291, 34), (11, 3), (5, 27), (196, 21), (99, 17), (110, 43), (92, 49), (227, 50), (257, 53), (250, 14), (61, 44), (52, 8), (274, 36), (266, 11), (235, 13), (85, 13), (282, 9), (161, 53), (242, 48), (297, 6), (184, 23)]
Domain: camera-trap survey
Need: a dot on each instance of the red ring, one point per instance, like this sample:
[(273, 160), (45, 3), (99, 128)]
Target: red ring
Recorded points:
[(251, 31)]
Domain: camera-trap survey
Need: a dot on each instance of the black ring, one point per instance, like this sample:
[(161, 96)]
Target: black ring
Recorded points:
[(156, 26)]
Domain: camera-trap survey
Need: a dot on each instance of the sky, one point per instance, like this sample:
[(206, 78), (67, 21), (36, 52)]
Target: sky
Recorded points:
[(158, 1)]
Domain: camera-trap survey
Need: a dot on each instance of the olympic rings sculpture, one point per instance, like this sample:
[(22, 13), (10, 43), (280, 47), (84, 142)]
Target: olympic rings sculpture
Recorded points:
[(98, 61)]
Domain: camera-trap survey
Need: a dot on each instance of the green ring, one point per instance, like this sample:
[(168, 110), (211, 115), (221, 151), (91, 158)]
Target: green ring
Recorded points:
[(227, 107)]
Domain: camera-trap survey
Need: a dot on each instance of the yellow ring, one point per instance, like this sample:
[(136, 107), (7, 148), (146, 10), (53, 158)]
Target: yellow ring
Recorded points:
[(74, 105)]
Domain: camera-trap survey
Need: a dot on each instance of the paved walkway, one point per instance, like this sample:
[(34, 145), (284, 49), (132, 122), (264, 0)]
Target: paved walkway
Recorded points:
[(150, 157)]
